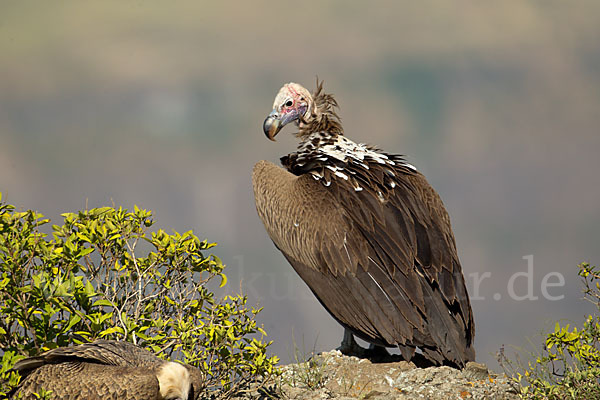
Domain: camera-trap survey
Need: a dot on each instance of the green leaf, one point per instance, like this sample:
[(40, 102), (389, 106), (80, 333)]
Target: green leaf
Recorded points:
[(89, 289), (85, 252), (4, 282), (75, 319), (102, 302), (110, 331)]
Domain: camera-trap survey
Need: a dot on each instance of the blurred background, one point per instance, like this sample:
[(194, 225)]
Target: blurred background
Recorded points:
[(160, 104)]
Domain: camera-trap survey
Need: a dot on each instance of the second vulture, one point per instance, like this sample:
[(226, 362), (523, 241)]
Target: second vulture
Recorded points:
[(367, 233), (106, 369)]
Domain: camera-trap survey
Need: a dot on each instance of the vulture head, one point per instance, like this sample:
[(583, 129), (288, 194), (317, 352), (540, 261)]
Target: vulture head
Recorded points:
[(174, 381), (293, 103), (311, 112)]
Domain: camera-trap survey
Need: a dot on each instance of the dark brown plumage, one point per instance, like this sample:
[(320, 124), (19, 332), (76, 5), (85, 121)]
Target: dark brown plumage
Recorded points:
[(366, 232), (106, 370)]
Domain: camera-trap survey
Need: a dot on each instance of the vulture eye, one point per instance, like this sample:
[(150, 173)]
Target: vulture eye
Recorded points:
[(289, 103)]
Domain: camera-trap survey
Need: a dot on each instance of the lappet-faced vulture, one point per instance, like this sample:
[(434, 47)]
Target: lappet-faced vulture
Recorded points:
[(366, 232), (106, 370)]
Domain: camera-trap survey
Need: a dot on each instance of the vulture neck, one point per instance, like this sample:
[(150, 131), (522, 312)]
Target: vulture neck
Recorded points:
[(323, 119)]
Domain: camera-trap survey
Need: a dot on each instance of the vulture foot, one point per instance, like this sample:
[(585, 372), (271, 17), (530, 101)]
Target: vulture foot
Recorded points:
[(379, 354)]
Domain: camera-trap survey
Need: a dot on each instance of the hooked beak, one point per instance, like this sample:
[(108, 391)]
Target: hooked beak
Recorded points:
[(272, 125), (274, 122)]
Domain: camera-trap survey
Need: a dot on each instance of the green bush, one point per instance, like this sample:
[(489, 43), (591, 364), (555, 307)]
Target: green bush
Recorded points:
[(103, 274), (569, 366)]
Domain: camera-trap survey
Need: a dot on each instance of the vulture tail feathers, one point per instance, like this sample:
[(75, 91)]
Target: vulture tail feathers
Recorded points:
[(446, 329)]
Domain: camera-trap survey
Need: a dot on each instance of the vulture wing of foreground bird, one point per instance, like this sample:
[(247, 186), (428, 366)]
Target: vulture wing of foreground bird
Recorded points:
[(366, 232), (106, 370)]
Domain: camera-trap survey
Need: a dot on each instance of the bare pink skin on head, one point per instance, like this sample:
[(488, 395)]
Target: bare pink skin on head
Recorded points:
[(293, 103)]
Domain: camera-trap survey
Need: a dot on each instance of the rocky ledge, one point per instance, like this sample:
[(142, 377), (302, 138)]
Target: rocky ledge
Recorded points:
[(332, 375)]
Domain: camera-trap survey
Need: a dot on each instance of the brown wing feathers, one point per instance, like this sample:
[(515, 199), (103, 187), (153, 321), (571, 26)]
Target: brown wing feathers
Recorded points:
[(371, 267)]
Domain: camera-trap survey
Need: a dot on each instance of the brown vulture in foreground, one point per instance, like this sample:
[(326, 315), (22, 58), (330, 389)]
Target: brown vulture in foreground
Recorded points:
[(106, 370), (367, 233)]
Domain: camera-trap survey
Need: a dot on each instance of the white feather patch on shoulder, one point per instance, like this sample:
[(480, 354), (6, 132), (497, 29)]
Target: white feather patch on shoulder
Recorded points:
[(343, 149)]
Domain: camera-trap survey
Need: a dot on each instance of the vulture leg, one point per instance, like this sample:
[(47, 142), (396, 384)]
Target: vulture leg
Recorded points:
[(349, 346), (374, 353)]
